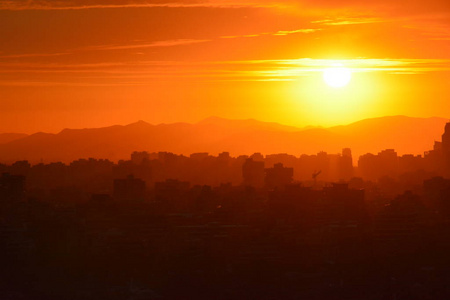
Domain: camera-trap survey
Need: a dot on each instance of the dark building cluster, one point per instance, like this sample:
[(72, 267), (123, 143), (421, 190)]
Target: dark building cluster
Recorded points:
[(167, 226)]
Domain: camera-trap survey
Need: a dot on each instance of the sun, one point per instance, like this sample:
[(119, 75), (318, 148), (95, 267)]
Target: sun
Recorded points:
[(337, 76)]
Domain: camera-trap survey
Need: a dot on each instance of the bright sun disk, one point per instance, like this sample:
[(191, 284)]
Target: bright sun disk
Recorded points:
[(337, 76)]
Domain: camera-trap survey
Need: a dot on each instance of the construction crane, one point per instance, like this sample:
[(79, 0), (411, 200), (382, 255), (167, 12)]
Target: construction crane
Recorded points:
[(314, 176)]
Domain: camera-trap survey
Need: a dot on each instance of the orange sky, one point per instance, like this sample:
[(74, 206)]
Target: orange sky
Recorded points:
[(95, 63)]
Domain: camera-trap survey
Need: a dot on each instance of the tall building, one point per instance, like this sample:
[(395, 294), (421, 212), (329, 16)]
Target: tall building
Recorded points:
[(446, 150), (172, 194), (129, 189), (139, 157), (253, 173), (346, 164), (446, 138), (12, 187), (278, 176), (385, 163)]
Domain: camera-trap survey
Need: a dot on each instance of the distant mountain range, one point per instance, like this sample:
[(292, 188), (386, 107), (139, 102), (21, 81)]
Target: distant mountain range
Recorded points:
[(215, 135), (9, 137)]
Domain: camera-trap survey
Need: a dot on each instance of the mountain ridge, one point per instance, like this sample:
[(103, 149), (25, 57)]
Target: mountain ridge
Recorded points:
[(214, 135), (9, 137)]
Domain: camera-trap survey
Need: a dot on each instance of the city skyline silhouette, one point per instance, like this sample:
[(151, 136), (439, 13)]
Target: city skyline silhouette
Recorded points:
[(253, 226), (214, 135)]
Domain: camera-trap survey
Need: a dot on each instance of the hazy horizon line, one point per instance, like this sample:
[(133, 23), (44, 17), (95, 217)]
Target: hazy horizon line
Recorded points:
[(299, 127)]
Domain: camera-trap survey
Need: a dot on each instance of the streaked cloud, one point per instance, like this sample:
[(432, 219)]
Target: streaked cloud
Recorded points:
[(79, 5), (161, 43), (141, 73), (286, 32), (166, 43), (277, 33), (34, 55), (432, 30), (349, 21)]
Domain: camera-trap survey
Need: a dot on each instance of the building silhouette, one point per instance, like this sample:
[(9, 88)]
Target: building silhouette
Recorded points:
[(139, 157), (278, 176), (446, 149), (172, 195), (129, 189), (253, 173), (345, 167), (12, 187)]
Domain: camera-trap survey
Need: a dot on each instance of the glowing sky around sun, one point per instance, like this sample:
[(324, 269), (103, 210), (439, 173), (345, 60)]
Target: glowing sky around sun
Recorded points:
[(102, 62), (337, 76)]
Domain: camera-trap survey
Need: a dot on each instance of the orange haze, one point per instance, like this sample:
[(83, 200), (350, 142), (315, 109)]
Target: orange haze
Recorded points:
[(99, 62)]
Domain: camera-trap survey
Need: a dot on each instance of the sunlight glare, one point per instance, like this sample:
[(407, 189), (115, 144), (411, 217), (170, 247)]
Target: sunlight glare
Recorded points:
[(337, 76)]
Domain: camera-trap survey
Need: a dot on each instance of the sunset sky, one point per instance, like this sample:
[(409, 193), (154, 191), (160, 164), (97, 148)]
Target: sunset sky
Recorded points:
[(93, 63)]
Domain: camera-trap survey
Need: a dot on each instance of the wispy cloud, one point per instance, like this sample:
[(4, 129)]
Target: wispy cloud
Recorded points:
[(277, 33), (165, 43), (154, 44), (349, 21), (142, 72), (370, 65), (34, 55), (432, 30), (286, 32), (80, 5)]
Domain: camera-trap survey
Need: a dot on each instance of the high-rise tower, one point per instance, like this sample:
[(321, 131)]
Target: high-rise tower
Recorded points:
[(446, 149)]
